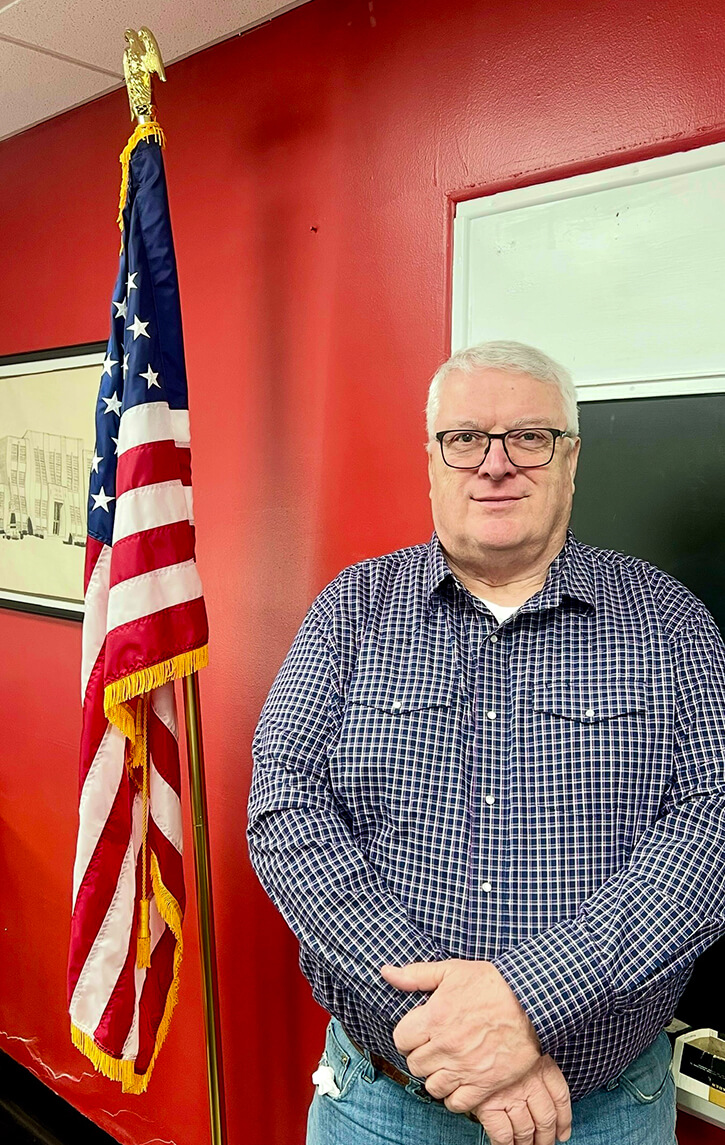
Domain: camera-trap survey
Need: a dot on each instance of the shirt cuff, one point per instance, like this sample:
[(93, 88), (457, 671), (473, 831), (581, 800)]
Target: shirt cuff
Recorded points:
[(559, 979)]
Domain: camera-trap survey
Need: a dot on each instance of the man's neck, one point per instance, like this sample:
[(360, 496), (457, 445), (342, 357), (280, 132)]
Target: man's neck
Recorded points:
[(505, 578)]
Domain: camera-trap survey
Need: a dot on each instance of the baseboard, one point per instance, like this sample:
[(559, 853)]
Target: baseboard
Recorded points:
[(39, 1114)]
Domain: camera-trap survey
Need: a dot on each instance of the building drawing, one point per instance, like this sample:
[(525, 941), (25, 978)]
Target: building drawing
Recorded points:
[(44, 486)]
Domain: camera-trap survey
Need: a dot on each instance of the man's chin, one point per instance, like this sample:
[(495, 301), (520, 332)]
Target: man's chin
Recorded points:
[(499, 535)]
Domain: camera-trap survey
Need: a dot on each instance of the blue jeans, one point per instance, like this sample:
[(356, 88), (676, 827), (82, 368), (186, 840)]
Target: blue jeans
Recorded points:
[(370, 1109)]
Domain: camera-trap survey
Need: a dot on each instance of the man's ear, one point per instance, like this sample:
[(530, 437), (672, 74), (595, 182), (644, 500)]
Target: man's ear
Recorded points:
[(573, 459)]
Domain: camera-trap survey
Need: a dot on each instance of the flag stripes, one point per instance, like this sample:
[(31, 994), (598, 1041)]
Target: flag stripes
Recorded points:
[(145, 626)]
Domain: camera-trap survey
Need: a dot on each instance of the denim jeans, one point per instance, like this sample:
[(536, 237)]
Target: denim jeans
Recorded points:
[(370, 1109)]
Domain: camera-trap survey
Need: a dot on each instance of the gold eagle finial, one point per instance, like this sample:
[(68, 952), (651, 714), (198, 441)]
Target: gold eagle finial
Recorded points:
[(140, 59)]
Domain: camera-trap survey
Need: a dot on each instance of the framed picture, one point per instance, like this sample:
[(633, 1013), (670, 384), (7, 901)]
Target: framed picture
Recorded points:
[(47, 435)]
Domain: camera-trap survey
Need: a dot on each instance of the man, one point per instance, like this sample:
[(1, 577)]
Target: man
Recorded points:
[(488, 799)]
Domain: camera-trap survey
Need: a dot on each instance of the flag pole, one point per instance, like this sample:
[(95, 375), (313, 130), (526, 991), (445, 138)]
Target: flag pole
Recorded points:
[(205, 908), (141, 58)]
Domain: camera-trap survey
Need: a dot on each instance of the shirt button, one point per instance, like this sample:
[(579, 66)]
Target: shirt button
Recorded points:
[(396, 705), (494, 639), (491, 715), (589, 712), (486, 887), (490, 799)]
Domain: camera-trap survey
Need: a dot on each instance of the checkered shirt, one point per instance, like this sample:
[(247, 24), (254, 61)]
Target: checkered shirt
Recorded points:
[(547, 793)]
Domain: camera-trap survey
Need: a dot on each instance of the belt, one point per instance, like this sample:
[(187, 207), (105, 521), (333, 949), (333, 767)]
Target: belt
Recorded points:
[(382, 1065)]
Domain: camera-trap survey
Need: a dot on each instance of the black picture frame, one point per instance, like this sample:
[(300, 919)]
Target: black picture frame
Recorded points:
[(56, 478)]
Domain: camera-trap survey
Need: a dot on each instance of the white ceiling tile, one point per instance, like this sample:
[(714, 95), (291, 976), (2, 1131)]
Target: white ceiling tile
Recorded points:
[(34, 87), (92, 31)]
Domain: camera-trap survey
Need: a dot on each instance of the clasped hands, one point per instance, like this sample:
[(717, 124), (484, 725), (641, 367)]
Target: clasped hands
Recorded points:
[(477, 1049)]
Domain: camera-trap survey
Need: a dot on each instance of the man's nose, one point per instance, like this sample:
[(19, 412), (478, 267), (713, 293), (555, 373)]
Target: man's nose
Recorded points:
[(496, 463)]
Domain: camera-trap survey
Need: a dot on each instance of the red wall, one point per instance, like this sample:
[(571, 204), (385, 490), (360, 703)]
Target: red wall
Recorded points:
[(311, 166)]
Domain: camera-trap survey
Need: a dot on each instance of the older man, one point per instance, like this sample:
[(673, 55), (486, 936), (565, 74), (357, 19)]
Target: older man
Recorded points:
[(488, 799)]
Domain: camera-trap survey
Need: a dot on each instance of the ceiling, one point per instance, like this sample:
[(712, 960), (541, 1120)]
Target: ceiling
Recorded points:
[(57, 55)]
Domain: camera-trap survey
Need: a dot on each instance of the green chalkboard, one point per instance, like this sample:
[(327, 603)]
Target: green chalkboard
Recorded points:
[(651, 482)]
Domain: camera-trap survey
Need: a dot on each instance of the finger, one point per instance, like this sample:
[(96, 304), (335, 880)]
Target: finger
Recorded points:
[(464, 1099), (543, 1113), (411, 1031), (497, 1124), (414, 976), (425, 1059), (555, 1083), (524, 1128), (442, 1083)]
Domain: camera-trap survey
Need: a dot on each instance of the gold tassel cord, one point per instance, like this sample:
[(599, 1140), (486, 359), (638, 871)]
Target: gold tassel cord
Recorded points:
[(150, 130), (143, 940), (115, 1068)]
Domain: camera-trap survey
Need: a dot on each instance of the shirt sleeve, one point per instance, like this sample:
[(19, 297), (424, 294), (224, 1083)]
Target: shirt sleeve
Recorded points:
[(652, 918), (302, 848)]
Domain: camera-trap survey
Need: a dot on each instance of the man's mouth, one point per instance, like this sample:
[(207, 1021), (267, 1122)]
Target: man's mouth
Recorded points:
[(496, 500)]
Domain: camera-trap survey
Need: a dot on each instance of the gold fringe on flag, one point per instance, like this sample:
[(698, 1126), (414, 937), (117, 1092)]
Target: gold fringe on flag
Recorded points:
[(118, 1069), (134, 725), (117, 694), (150, 130)]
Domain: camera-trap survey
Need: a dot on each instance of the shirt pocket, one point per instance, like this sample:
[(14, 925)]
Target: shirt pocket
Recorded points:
[(588, 768), (585, 703), (398, 738)]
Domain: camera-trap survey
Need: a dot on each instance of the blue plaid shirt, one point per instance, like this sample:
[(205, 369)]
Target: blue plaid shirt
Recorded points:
[(547, 793)]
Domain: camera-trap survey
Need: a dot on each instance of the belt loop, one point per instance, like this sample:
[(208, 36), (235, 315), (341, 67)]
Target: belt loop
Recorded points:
[(368, 1071)]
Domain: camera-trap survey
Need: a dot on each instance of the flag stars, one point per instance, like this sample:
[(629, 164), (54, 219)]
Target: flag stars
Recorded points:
[(113, 405), (102, 500), (152, 378), (108, 365), (125, 364), (139, 328), (96, 461), (131, 283), (121, 308), (115, 442)]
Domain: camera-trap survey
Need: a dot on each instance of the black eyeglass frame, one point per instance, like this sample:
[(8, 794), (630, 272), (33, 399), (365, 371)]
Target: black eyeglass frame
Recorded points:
[(556, 433)]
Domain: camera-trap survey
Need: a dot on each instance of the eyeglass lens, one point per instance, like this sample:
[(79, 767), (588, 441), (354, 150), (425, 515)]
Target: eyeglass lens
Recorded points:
[(467, 449)]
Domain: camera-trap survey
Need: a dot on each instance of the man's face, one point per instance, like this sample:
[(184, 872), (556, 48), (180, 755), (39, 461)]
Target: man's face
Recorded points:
[(499, 507)]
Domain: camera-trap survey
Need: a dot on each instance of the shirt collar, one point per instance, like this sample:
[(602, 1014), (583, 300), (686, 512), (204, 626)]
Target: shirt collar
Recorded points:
[(570, 575)]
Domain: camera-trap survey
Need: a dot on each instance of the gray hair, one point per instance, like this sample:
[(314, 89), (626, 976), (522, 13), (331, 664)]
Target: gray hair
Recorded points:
[(513, 356)]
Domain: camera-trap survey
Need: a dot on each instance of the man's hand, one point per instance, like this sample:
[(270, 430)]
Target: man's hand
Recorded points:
[(534, 1111), (471, 1038)]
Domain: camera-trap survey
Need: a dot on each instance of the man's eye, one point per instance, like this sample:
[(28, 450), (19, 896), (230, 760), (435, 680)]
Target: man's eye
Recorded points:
[(529, 436), (463, 438)]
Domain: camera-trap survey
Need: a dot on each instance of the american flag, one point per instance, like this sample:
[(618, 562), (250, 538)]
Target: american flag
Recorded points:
[(145, 625)]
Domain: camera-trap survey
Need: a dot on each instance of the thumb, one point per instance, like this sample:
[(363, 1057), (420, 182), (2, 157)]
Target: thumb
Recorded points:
[(415, 976)]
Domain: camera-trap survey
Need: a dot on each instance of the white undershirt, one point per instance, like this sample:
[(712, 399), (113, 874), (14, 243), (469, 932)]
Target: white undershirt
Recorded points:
[(500, 611)]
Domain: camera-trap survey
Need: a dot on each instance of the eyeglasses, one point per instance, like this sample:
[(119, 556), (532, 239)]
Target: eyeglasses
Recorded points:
[(525, 448)]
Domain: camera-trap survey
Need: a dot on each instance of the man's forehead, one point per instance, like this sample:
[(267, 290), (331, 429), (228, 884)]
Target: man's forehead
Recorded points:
[(513, 422), (472, 397)]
